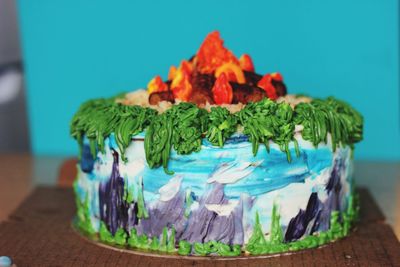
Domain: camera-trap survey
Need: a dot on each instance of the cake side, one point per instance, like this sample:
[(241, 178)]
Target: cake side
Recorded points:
[(220, 201)]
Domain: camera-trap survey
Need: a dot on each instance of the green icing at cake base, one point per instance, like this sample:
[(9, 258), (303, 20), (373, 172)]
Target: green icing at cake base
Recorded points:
[(184, 248), (120, 237), (83, 213), (258, 243), (214, 247)]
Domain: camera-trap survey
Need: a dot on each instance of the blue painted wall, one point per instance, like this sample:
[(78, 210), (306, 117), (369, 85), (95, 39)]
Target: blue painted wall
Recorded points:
[(75, 50)]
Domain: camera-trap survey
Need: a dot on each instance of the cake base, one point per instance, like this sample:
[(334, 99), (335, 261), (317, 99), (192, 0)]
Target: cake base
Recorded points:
[(39, 232), (96, 241)]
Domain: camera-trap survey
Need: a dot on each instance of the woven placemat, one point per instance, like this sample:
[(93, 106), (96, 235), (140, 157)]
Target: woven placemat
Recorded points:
[(39, 233)]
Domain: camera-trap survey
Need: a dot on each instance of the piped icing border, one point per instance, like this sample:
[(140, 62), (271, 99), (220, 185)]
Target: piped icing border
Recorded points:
[(183, 126)]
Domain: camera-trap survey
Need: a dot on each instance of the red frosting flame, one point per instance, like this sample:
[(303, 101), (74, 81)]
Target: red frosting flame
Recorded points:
[(180, 86), (246, 63), (157, 85), (266, 84), (222, 90), (213, 54)]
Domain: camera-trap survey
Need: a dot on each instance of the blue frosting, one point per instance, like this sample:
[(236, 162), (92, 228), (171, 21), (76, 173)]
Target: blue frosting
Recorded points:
[(273, 173), (87, 160)]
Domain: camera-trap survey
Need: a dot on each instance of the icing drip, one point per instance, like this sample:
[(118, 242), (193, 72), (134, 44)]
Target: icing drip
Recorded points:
[(86, 160)]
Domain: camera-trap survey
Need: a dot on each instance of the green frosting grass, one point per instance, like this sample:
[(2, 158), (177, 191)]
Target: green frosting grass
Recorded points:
[(83, 213), (183, 126), (180, 127), (222, 124), (163, 244), (267, 120), (333, 116), (97, 119)]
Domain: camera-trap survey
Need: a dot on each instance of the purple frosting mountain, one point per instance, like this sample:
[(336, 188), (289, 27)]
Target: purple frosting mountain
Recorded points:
[(316, 217), (115, 211), (164, 214), (205, 225), (202, 225)]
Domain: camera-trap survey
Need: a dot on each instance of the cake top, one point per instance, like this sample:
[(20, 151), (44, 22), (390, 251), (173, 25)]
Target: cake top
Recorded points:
[(214, 96), (213, 76)]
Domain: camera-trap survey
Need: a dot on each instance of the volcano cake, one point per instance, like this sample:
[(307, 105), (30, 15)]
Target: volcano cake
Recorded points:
[(215, 160)]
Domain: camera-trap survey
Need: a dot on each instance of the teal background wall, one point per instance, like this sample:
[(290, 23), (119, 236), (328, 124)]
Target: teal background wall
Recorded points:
[(75, 50)]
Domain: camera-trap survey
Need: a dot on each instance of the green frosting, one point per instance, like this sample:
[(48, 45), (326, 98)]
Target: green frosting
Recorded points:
[(129, 195), (202, 249), (171, 241), (219, 248), (97, 119), (164, 240), (222, 124), (155, 244), (184, 248), (276, 233), (105, 235), (333, 116), (143, 242), (120, 237), (83, 214), (164, 244), (267, 120), (142, 211), (180, 127), (188, 202), (183, 126), (133, 240), (257, 241)]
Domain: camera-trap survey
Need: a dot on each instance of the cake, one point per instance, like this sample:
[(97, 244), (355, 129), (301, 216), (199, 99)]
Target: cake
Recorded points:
[(216, 160)]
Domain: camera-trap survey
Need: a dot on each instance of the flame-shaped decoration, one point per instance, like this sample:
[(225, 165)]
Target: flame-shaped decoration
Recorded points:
[(222, 90), (266, 84), (180, 86), (157, 85), (213, 54), (232, 71), (246, 63)]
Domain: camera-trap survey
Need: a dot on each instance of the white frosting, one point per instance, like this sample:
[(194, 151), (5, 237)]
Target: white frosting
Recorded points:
[(169, 190), (230, 173), (222, 209)]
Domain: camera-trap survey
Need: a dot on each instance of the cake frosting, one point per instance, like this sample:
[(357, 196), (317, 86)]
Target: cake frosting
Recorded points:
[(201, 168)]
